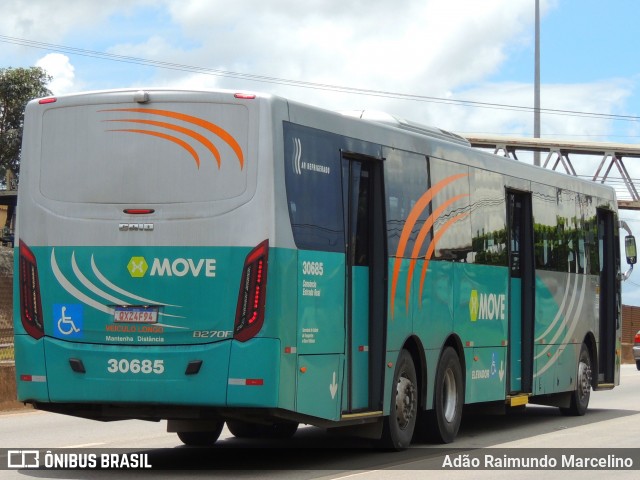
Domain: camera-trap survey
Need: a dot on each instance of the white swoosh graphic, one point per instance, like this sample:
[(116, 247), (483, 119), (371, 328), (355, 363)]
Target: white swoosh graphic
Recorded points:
[(73, 290), (68, 286), (572, 327), (560, 310)]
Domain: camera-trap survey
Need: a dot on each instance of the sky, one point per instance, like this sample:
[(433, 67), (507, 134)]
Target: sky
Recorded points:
[(439, 50)]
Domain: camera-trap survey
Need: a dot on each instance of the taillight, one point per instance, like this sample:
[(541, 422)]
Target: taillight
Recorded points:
[(30, 303), (637, 338), (252, 295)]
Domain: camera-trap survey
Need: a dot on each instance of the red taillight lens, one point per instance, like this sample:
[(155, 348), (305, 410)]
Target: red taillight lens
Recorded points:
[(252, 295), (30, 303), (637, 338)]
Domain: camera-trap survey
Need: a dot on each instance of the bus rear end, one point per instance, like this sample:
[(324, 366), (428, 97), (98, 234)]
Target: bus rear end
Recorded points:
[(141, 264)]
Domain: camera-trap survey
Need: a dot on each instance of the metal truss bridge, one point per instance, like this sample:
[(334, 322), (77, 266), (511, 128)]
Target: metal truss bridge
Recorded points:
[(557, 152)]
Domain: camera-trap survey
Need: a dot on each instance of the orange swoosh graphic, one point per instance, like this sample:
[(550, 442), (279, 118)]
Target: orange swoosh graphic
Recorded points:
[(178, 141), (432, 248), (419, 207), (422, 235), (212, 127), (196, 136)]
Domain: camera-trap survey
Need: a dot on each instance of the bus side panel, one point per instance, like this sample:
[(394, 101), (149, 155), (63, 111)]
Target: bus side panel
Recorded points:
[(281, 319), (400, 318), (434, 317), (319, 378), (566, 310), (31, 372), (254, 373), (320, 334), (481, 321), (434, 312), (321, 292)]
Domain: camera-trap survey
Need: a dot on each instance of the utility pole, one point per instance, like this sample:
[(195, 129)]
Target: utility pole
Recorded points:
[(536, 86)]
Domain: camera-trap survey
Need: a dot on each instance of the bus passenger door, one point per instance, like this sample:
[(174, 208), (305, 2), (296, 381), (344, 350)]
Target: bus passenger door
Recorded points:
[(521, 291), (608, 313), (366, 296)]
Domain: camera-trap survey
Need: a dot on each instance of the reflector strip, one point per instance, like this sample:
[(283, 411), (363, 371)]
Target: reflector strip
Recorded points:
[(247, 382), (290, 349), (363, 348), (33, 378)]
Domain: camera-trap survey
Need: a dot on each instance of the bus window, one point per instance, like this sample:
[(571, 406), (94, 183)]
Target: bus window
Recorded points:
[(406, 181), (452, 227), (489, 240), (314, 188)]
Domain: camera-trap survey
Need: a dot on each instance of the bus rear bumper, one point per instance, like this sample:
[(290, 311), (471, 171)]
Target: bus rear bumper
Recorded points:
[(222, 374)]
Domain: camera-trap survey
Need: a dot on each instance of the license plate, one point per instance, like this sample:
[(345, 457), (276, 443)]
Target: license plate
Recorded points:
[(135, 314)]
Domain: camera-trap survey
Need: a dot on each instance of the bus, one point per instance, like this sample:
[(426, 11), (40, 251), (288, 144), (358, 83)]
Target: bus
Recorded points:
[(212, 257)]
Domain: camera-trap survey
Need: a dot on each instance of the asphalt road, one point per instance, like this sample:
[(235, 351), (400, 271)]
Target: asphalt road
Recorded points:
[(613, 421)]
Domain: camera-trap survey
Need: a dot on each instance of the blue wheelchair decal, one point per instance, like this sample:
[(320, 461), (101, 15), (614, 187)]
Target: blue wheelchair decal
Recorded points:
[(67, 321)]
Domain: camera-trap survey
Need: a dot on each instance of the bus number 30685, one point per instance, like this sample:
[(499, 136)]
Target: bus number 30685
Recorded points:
[(135, 366)]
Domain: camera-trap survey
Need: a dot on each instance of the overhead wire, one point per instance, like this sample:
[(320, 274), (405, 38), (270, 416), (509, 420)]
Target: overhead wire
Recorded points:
[(301, 83)]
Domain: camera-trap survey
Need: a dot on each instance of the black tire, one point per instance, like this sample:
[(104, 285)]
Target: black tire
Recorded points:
[(448, 398), (638, 364), (399, 425), (581, 395), (278, 430), (282, 430), (240, 429), (201, 439)]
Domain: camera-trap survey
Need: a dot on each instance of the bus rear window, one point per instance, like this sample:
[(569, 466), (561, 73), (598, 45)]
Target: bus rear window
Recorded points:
[(165, 153)]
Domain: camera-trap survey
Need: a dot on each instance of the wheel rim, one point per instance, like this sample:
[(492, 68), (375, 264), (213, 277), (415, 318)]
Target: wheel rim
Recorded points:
[(405, 402), (584, 374), (449, 396)]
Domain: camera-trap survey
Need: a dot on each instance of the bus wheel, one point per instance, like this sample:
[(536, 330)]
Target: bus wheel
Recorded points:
[(242, 429), (201, 439), (400, 424), (448, 398), (282, 430), (582, 393)]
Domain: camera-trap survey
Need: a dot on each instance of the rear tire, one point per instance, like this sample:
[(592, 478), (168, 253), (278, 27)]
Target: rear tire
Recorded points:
[(582, 393), (638, 364), (448, 398), (201, 439), (398, 427)]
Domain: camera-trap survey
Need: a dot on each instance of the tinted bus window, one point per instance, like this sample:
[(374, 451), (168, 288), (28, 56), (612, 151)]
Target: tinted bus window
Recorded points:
[(314, 188), (452, 224), (406, 180), (488, 213)]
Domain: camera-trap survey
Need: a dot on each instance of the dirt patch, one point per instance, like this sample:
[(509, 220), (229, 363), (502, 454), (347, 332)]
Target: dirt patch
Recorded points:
[(7, 384), (8, 395)]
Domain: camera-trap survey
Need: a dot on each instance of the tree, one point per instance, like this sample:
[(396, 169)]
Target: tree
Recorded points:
[(17, 87)]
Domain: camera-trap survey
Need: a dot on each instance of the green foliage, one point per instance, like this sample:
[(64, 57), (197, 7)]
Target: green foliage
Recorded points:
[(17, 87)]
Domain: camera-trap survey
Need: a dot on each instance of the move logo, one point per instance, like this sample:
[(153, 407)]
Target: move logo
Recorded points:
[(487, 306), (178, 267), (137, 267)]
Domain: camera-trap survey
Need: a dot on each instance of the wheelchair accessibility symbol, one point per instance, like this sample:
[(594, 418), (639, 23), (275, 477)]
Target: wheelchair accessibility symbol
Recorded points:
[(67, 321)]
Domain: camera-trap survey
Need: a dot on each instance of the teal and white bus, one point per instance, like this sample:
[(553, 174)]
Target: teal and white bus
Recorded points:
[(208, 257)]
